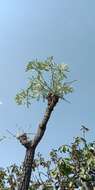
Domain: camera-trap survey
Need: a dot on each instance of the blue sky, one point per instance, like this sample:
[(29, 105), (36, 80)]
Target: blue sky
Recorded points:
[(38, 29)]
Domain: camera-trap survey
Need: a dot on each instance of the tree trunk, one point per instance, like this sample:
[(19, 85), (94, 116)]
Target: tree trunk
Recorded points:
[(31, 145), (27, 169)]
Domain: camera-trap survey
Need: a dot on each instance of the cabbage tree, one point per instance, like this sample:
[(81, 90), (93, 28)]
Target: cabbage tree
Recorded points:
[(47, 81)]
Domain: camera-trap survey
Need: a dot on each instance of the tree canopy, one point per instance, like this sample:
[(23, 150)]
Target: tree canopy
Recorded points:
[(45, 77)]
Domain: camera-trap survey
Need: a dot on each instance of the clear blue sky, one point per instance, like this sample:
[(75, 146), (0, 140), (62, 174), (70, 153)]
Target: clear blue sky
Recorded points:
[(38, 29)]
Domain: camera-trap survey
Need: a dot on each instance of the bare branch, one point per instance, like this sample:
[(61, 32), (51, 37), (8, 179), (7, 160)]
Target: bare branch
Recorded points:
[(52, 101)]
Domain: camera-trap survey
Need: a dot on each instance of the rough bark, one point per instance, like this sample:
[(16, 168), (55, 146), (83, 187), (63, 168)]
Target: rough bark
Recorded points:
[(31, 145), (27, 166)]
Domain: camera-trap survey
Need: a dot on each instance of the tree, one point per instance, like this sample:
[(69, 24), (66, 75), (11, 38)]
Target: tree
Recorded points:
[(47, 81)]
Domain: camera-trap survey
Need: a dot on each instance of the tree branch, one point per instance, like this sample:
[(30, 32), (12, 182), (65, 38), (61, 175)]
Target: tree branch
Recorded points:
[(52, 101)]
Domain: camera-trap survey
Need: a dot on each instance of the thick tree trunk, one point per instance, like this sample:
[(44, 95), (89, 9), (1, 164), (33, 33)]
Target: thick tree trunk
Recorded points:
[(27, 169), (31, 145)]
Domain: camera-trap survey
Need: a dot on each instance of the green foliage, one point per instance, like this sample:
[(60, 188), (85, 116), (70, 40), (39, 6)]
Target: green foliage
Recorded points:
[(68, 167), (2, 178), (9, 177), (45, 77)]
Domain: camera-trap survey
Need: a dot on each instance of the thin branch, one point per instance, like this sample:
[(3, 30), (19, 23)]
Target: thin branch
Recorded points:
[(70, 82), (66, 100), (11, 133)]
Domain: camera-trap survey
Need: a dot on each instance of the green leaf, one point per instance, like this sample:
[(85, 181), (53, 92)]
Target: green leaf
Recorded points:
[(40, 84)]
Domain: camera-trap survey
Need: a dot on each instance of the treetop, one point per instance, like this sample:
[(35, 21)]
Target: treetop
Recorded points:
[(45, 77)]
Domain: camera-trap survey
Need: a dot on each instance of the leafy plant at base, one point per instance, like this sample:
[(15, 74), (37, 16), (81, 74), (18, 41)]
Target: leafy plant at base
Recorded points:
[(69, 167)]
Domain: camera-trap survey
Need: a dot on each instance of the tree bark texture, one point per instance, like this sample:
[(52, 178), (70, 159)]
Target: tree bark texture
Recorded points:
[(27, 168), (31, 145)]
